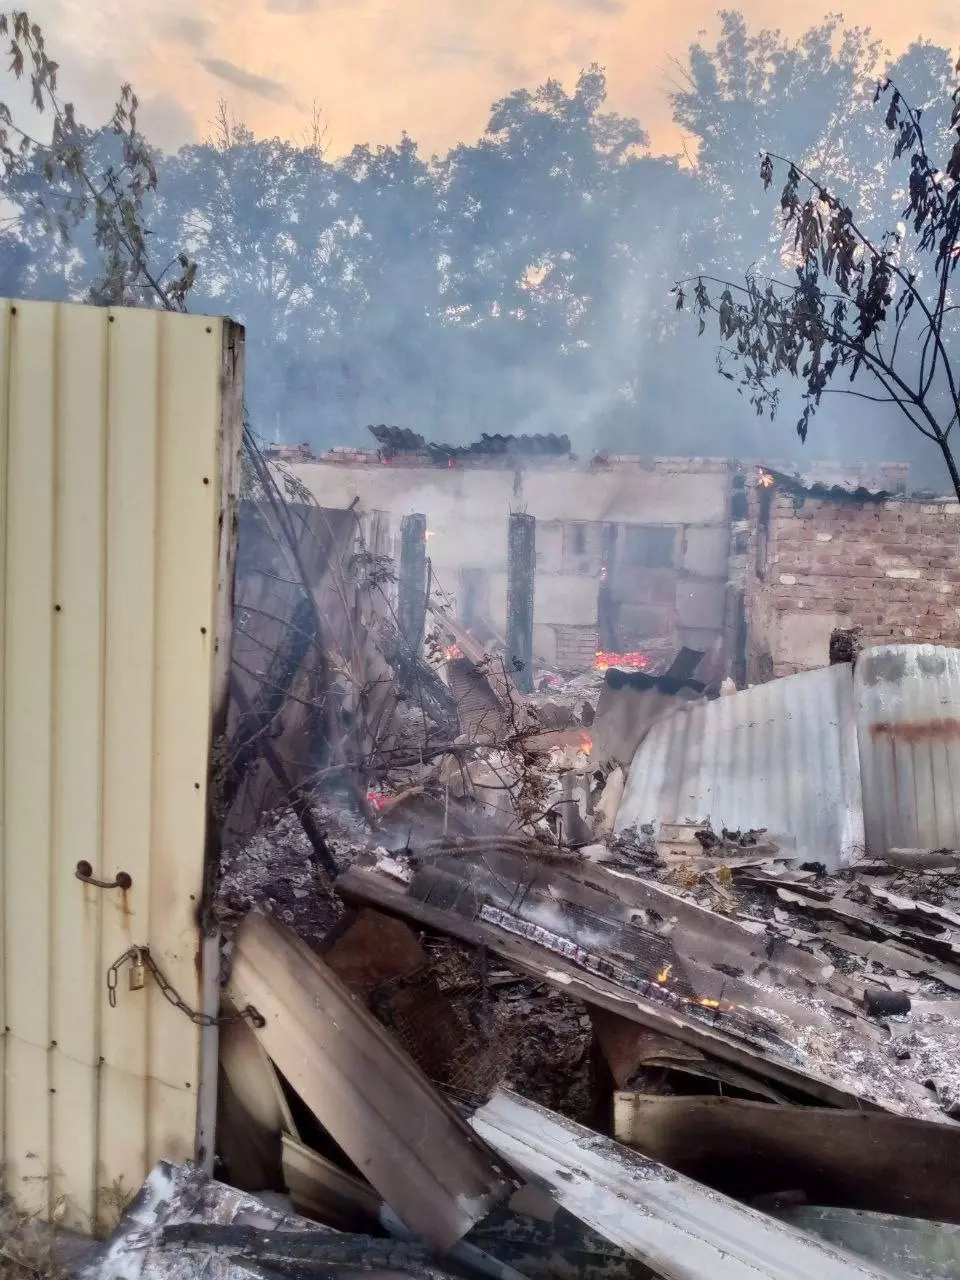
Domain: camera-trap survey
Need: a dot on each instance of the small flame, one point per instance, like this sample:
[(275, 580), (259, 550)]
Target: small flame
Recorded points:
[(664, 975), (635, 661), (431, 533), (764, 478), (586, 743), (451, 651)]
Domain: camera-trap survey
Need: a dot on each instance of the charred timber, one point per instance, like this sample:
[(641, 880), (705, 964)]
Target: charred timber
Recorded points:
[(412, 602), (521, 569)]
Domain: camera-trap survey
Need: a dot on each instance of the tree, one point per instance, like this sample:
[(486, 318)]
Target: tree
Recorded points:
[(58, 184), (254, 214), (877, 307)]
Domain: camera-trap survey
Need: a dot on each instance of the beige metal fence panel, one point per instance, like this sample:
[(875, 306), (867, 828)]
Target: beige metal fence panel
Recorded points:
[(119, 434)]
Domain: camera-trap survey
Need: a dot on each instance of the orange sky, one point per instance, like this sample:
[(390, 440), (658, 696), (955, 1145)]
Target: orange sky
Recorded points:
[(376, 67)]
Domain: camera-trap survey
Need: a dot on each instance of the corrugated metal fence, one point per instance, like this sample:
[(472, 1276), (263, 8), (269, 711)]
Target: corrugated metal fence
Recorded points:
[(839, 761), (781, 755), (908, 725), (119, 445)]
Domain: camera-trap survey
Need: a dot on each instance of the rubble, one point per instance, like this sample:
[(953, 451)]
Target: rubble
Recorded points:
[(546, 975), (364, 1090)]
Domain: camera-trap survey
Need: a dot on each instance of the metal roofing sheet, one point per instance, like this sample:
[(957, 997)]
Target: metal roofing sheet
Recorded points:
[(907, 699), (119, 456), (679, 1228), (781, 755), (807, 486)]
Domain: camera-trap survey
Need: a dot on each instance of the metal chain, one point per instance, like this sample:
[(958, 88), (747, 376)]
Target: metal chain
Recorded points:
[(141, 955)]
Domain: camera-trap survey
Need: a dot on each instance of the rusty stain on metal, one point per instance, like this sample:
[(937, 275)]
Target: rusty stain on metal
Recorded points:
[(941, 729)]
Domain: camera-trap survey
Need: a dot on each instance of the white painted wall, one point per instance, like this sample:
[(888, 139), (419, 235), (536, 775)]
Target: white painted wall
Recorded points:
[(467, 510)]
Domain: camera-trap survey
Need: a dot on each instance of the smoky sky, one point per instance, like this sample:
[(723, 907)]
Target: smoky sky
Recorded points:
[(463, 281)]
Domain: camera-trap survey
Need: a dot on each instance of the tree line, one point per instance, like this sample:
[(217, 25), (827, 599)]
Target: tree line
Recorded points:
[(519, 283)]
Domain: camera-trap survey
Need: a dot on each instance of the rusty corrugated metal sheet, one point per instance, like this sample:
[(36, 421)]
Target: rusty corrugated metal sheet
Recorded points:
[(119, 451), (908, 725), (781, 755)]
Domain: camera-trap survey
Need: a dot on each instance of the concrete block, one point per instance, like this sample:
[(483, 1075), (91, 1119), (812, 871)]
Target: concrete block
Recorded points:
[(699, 638), (706, 552), (629, 585), (549, 546), (701, 604), (639, 623), (567, 598), (803, 639), (544, 645)]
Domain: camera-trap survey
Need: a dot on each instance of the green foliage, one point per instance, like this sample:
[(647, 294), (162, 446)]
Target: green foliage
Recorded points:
[(74, 188)]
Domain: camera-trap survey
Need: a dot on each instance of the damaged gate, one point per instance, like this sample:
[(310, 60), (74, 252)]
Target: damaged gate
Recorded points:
[(119, 465)]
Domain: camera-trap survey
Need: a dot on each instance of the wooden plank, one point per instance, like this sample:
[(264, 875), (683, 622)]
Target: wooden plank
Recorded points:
[(28, 751), (320, 1190), (374, 1101), (848, 1159), (375, 890), (629, 1049), (705, 935), (253, 1078), (681, 1230)]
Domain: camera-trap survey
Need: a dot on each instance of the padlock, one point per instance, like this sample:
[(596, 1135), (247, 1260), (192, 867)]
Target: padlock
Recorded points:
[(138, 973)]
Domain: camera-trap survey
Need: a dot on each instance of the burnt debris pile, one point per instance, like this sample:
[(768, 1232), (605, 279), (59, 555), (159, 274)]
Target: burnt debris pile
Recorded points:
[(628, 973)]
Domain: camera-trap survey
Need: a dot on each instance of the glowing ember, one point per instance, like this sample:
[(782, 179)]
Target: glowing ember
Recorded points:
[(451, 651), (664, 974), (764, 478), (632, 661)]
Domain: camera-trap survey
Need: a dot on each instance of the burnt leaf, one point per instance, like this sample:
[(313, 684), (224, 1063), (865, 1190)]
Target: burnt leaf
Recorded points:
[(893, 111)]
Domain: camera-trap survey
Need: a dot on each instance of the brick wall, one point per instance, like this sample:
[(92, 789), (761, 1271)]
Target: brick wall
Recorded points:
[(812, 564)]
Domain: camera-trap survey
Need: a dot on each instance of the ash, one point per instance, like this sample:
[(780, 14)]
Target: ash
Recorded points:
[(914, 1070), (276, 871)]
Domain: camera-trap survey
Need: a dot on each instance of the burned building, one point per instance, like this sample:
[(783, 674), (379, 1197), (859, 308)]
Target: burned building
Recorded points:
[(634, 558), (631, 557), (824, 556)]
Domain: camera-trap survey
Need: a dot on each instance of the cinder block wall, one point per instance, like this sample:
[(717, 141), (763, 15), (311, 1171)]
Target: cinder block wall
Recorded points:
[(891, 567)]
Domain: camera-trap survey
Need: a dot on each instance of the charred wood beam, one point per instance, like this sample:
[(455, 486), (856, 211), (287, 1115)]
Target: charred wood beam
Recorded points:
[(370, 889), (329, 1250), (412, 592), (521, 570), (298, 801)]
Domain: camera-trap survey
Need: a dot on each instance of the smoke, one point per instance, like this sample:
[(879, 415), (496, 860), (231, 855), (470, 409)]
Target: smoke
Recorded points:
[(521, 282)]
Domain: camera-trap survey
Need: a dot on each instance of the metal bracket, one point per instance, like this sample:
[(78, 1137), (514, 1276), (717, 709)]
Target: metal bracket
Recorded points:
[(84, 874)]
